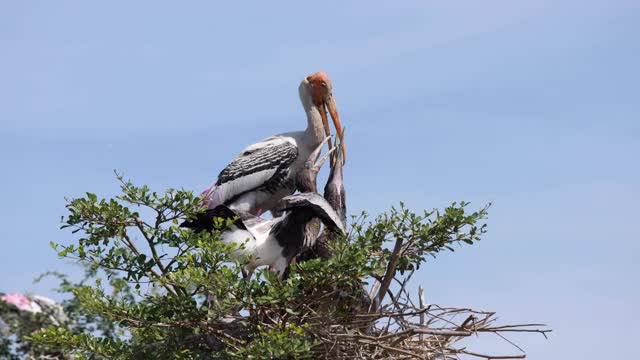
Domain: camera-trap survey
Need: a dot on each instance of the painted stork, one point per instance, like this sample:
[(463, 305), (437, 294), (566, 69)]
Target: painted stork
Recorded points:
[(276, 241), (265, 172)]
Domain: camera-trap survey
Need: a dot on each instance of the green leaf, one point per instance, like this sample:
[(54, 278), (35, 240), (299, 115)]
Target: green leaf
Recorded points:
[(92, 197)]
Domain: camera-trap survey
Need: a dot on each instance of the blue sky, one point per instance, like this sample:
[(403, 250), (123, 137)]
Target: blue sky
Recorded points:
[(531, 105)]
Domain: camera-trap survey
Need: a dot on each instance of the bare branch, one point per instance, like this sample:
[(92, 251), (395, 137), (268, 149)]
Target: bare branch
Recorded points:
[(389, 274)]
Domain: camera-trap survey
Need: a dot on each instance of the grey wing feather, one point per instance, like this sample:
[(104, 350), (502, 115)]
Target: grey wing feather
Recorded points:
[(256, 225), (250, 220)]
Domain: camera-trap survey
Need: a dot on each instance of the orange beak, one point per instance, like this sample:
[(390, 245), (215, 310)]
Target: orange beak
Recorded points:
[(323, 99), (333, 111)]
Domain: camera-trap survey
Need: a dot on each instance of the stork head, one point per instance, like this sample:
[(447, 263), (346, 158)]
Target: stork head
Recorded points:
[(320, 90)]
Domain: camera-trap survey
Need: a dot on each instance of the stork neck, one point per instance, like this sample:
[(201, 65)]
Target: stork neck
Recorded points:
[(315, 128), (314, 133), (306, 181)]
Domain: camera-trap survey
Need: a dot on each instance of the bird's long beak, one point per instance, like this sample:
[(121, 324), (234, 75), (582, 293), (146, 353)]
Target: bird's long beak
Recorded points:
[(333, 111)]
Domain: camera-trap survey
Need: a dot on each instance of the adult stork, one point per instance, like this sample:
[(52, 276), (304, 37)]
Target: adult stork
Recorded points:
[(265, 172)]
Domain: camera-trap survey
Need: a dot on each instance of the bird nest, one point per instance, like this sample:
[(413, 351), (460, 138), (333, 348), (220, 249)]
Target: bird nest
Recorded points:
[(404, 328), (427, 332)]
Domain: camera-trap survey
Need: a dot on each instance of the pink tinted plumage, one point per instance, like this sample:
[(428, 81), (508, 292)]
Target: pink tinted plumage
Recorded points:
[(212, 197)]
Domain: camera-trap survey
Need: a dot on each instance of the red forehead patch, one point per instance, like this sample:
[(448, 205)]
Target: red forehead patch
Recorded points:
[(319, 77)]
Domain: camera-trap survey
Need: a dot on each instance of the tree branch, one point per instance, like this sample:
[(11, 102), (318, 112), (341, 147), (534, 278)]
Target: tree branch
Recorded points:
[(394, 259)]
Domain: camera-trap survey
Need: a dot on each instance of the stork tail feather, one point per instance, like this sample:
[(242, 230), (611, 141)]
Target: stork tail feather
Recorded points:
[(204, 221)]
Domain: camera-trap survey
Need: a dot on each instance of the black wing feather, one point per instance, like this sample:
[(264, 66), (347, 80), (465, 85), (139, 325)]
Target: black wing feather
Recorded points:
[(204, 220), (268, 157)]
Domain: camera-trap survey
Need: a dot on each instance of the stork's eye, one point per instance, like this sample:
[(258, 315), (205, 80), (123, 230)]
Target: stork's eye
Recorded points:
[(324, 84)]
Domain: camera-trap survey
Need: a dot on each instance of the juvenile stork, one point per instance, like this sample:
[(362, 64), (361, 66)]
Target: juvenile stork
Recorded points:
[(276, 241), (317, 244), (265, 172)]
